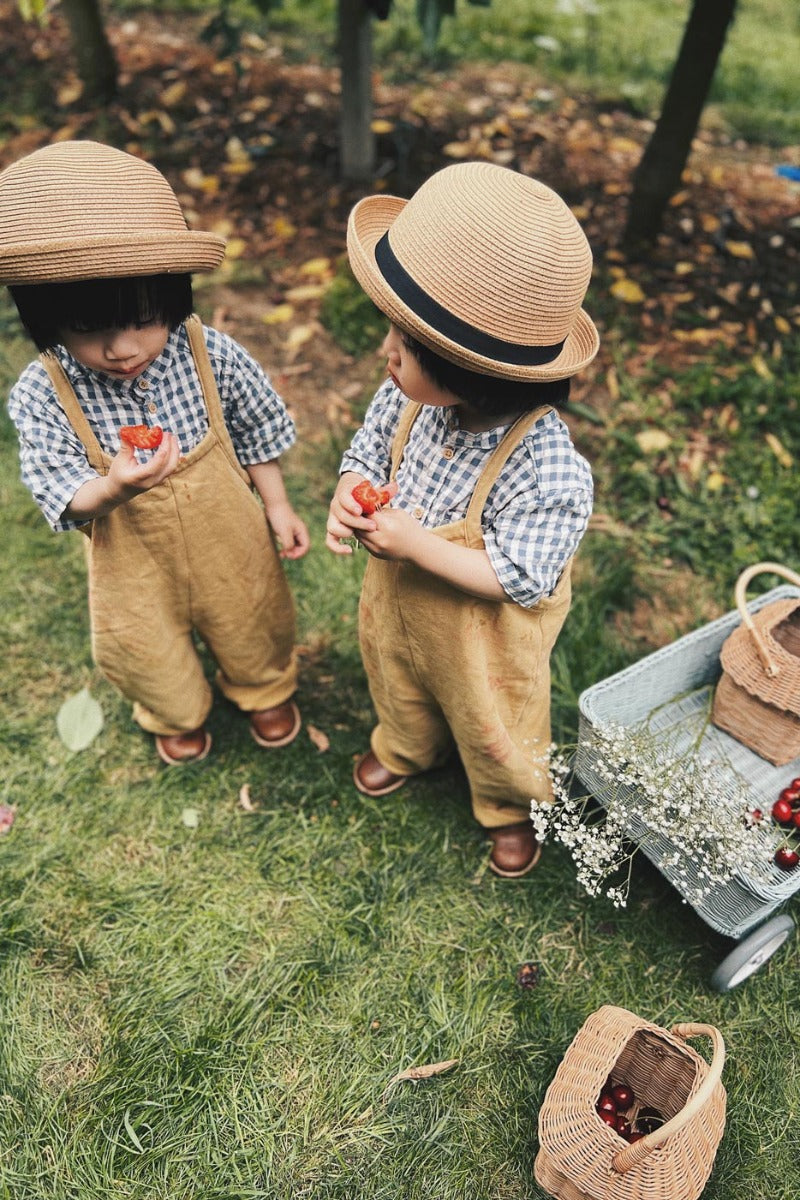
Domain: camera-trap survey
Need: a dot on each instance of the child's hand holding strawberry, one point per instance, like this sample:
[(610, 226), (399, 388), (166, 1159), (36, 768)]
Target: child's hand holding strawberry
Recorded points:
[(349, 515)]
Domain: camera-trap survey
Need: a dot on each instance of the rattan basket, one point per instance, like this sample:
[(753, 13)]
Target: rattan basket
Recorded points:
[(581, 1158), (757, 699)]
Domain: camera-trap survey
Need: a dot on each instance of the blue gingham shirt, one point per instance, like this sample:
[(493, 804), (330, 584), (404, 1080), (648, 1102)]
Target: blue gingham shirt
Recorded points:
[(52, 458), (536, 512)]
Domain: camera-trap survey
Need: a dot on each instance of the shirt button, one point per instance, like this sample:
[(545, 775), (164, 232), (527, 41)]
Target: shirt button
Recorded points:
[(419, 513), (152, 407), (142, 385), (447, 452)]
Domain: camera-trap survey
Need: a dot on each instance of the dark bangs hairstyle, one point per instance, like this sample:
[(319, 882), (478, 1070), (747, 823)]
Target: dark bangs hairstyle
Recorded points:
[(47, 310), (484, 393)]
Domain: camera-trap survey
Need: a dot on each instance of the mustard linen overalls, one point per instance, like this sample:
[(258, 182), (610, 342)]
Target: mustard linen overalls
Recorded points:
[(193, 553), (444, 666)]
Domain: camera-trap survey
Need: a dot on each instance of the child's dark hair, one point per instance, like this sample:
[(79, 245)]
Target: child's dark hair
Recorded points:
[(484, 393), (87, 306)]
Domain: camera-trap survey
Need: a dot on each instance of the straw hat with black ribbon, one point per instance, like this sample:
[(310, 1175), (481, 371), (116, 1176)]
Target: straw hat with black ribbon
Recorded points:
[(485, 266), (81, 210)]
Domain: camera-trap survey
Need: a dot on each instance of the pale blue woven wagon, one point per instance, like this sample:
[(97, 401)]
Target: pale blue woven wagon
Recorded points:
[(670, 690)]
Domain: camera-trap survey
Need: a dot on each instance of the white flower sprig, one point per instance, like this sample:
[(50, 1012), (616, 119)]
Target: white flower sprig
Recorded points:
[(680, 805)]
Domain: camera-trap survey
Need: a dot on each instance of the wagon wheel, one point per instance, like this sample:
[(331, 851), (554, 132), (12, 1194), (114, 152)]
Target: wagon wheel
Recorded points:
[(751, 953)]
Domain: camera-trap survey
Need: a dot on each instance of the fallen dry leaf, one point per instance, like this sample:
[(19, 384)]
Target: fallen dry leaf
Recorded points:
[(627, 290), (415, 1074), (651, 440), (779, 450), (320, 739), (244, 799)]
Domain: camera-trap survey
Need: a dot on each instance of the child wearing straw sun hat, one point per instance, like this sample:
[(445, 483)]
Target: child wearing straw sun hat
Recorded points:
[(98, 257), (482, 274)]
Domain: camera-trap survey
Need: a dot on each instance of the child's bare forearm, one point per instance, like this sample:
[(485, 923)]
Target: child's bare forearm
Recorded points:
[(464, 568), (289, 529), (267, 479), (93, 499)]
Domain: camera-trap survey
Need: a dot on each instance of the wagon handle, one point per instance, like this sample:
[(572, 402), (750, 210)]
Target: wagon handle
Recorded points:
[(770, 666), (632, 1155)]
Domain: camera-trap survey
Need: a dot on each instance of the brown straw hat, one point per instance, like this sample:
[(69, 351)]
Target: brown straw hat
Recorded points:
[(81, 210), (485, 266)]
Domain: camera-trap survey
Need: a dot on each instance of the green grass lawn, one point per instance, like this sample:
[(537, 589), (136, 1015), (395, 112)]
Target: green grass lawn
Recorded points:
[(204, 1002)]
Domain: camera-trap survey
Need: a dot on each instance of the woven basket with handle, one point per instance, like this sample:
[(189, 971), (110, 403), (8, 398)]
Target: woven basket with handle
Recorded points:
[(757, 698), (581, 1158)]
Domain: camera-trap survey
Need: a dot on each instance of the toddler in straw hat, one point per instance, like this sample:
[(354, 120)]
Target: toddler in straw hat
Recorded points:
[(482, 275), (99, 259)]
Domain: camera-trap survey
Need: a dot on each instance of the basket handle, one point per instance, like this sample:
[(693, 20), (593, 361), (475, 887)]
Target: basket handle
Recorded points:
[(635, 1153), (770, 666)]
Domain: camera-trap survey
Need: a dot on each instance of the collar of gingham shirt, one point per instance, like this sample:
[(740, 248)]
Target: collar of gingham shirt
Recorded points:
[(536, 512), (52, 459)]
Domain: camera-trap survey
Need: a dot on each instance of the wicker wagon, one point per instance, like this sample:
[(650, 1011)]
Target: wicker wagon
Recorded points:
[(672, 690)]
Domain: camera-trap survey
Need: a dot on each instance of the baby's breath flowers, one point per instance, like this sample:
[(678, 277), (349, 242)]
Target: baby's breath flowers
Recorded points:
[(689, 816)]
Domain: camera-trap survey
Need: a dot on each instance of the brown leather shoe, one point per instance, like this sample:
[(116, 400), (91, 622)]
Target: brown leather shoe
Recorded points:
[(372, 778), (179, 749), (274, 727), (515, 850)]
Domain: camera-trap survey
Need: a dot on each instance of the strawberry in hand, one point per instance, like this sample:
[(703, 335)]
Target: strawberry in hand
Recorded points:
[(371, 498), (141, 437)]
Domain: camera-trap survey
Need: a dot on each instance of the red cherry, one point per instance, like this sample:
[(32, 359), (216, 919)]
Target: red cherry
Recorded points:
[(795, 784), (622, 1096), (791, 795), (782, 812), (623, 1127), (648, 1119), (635, 1135), (796, 818), (609, 1118), (787, 859), (606, 1104)]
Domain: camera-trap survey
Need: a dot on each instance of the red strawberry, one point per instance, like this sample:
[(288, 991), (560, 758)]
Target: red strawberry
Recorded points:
[(371, 498), (142, 437)]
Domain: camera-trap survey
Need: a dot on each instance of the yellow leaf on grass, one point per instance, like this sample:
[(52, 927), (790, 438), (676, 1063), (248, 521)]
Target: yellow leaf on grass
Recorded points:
[(282, 227), (683, 268), (279, 314), (650, 441), (782, 325), (196, 179), (760, 367), (379, 125), (715, 481), (173, 94), (306, 291), (458, 150), (71, 91), (242, 166), (779, 450), (316, 266), (235, 247), (740, 249), (678, 199), (320, 739), (299, 336), (627, 290)]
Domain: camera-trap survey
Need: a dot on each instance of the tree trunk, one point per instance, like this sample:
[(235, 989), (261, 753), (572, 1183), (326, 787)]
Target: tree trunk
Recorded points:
[(97, 66), (356, 140), (658, 174)]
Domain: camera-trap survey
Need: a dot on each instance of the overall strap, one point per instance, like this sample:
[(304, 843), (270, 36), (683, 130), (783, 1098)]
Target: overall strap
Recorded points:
[(73, 411), (208, 383), (494, 465), (407, 419)]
